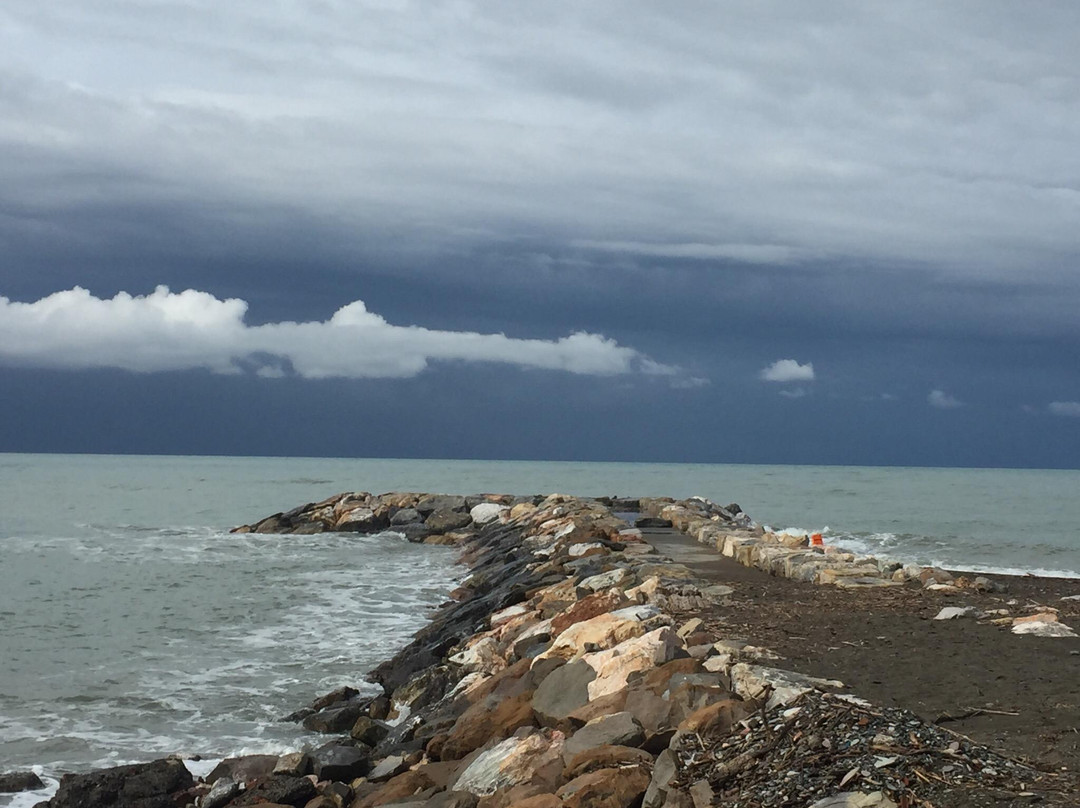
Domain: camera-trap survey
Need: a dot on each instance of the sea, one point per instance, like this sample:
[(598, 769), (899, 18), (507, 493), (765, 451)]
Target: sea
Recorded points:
[(133, 625)]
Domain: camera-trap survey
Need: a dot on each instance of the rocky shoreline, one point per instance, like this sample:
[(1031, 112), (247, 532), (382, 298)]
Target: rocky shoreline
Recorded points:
[(569, 669)]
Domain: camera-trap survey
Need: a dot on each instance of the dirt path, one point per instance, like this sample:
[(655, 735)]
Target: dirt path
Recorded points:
[(886, 647)]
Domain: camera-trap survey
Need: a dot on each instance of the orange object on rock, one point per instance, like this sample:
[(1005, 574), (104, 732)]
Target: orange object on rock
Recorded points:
[(816, 540)]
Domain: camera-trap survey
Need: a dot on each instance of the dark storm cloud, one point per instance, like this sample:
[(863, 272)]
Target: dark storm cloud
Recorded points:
[(886, 191)]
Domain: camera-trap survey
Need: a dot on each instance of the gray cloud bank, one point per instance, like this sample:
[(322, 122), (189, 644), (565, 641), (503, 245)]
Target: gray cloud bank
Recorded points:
[(761, 132), (165, 331)]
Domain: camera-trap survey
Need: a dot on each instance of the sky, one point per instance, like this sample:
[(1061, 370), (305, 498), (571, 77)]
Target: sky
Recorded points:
[(749, 232)]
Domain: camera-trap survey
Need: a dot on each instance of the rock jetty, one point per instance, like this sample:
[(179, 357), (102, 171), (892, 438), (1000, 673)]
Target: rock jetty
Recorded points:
[(557, 675)]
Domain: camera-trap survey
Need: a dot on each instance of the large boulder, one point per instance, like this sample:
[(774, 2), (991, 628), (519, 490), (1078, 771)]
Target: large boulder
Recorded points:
[(278, 789), (535, 759), (446, 520), (623, 787), (487, 512), (19, 781), (618, 729), (642, 653), (338, 762), (563, 692), (16, 781), (142, 785)]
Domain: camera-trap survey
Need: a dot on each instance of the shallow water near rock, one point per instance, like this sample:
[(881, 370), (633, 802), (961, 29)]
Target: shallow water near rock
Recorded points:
[(135, 625)]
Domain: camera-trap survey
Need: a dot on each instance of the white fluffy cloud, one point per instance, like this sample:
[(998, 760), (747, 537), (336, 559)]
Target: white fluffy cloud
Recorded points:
[(176, 331), (1066, 408), (943, 401), (787, 370)]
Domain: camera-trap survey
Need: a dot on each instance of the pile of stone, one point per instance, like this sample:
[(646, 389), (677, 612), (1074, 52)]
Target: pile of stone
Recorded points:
[(557, 677), (426, 518), (802, 754)]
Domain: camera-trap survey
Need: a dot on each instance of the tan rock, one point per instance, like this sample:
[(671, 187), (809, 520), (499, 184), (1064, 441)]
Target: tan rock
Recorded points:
[(535, 759), (606, 788), (720, 716), (396, 789), (637, 654), (602, 631), (1040, 617), (587, 608), (606, 757), (539, 801), (484, 721)]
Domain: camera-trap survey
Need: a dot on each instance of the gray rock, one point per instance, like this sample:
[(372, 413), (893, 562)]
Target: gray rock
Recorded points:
[(406, 516), (445, 520), (368, 730), (434, 502), (242, 769), (388, 767), (19, 781), (278, 789), (295, 764), (143, 785), (223, 791), (336, 762), (339, 718), (663, 774), (563, 691), (617, 729)]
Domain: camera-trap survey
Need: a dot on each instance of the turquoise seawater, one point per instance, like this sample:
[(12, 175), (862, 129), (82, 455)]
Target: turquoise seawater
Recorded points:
[(132, 624)]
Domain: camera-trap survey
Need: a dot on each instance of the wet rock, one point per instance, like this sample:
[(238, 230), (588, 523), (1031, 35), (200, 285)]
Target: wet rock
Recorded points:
[(338, 718), (338, 762), (143, 785), (221, 793), (535, 759), (369, 731), (19, 781), (278, 789), (606, 788), (618, 729)]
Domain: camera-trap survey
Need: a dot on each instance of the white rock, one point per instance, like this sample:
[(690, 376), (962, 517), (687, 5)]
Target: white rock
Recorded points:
[(503, 615), (515, 761), (487, 512), (855, 799), (1044, 629), (751, 681), (637, 654), (954, 612), (606, 580), (640, 613), (584, 547)]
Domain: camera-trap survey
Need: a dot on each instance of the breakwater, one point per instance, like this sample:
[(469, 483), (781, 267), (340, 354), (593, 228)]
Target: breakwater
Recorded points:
[(568, 669)]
